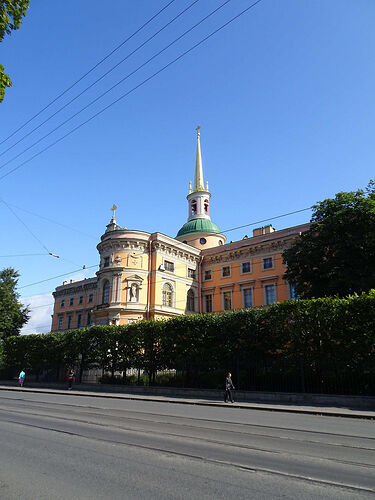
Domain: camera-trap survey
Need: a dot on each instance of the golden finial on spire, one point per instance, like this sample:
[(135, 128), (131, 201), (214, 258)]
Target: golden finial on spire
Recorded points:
[(206, 185), (197, 129), (189, 187)]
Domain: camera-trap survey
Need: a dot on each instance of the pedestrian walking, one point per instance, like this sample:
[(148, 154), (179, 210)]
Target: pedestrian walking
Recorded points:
[(228, 388), (21, 378), (70, 379)]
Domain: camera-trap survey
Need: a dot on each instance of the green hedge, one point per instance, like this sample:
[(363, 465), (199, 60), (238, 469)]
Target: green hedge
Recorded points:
[(322, 340)]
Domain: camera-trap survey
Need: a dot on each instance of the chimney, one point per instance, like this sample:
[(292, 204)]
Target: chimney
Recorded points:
[(259, 231)]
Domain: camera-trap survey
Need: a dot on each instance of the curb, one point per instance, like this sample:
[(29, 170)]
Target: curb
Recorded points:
[(248, 406)]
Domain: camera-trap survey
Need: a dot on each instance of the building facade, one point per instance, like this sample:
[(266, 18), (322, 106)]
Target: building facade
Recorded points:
[(153, 276)]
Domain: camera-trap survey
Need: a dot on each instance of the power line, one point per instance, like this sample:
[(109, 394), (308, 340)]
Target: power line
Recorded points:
[(114, 86), (134, 88), (90, 70), (24, 255), (49, 220), (27, 228), (58, 276), (92, 85)]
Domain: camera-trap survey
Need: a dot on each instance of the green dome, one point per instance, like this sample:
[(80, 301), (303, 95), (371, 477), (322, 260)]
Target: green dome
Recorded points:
[(198, 226)]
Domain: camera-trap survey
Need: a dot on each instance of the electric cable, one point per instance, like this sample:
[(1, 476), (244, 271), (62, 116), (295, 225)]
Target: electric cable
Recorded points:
[(27, 228), (58, 276), (146, 80), (113, 86), (50, 220), (95, 82), (90, 70)]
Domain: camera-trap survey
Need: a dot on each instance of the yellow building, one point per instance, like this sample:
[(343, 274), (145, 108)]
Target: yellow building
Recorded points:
[(150, 275)]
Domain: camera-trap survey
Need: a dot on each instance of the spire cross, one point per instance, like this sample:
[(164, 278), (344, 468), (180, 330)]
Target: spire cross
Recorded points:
[(197, 129), (114, 208)]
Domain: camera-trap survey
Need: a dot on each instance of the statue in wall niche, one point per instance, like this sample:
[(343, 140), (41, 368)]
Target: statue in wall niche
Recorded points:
[(133, 293)]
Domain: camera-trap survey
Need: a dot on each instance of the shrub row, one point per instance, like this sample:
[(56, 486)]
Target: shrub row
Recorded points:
[(330, 335)]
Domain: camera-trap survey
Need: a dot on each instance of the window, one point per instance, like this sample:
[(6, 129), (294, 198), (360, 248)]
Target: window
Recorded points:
[(88, 319), (80, 300), (293, 294), (207, 275), (106, 261), (268, 263), (246, 267), (225, 271), (191, 273), (169, 266), (62, 303), (91, 297), (206, 206), (190, 302), (79, 319), (208, 303), (60, 322), (227, 301), (71, 301), (193, 207), (270, 294), (69, 322), (167, 295), (106, 288), (247, 297), (203, 241)]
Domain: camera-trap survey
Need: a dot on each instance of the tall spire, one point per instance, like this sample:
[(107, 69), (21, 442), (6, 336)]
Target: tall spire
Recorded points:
[(198, 180)]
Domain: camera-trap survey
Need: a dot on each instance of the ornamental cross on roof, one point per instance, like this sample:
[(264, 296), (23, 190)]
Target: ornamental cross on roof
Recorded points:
[(114, 208)]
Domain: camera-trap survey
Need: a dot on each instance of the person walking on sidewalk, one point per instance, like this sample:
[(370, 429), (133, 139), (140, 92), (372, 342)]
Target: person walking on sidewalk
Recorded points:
[(70, 379), (21, 378), (228, 388)]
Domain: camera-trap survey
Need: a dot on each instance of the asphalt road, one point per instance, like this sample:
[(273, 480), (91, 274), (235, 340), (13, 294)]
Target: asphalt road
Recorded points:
[(72, 447)]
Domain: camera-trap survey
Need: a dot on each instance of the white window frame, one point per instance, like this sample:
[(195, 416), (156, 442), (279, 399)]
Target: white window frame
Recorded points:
[(172, 294)]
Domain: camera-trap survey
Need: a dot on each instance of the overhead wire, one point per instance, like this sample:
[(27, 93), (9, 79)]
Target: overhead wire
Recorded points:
[(50, 220), (28, 229), (91, 69), (58, 276), (183, 54), (115, 85), (92, 85)]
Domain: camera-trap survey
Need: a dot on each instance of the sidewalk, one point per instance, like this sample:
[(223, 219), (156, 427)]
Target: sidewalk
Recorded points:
[(287, 408)]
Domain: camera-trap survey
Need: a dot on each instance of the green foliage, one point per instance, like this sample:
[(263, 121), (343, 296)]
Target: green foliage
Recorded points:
[(11, 14), (331, 337), (12, 314), (336, 255)]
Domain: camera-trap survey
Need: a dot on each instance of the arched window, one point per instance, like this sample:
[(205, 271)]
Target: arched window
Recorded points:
[(105, 296), (167, 295), (206, 206), (193, 207), (190, 302)]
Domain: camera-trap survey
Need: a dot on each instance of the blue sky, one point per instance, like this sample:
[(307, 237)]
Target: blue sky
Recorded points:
[(284, 95)]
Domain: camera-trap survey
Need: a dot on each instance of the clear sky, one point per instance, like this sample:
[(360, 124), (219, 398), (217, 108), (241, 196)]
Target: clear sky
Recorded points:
[(285, 97)]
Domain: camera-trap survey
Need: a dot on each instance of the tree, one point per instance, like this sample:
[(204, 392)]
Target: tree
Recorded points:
[(336, 255), (12, 313), (11, 14)]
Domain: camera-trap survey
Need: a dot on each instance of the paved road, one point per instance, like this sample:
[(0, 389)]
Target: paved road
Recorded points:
[(68, 447)]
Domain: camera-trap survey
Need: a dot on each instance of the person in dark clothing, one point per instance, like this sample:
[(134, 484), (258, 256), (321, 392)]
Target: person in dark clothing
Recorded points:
[(228, 388), (70, 379)]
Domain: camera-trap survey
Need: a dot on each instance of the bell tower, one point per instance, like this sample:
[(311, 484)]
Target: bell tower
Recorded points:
[(199, 231)]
